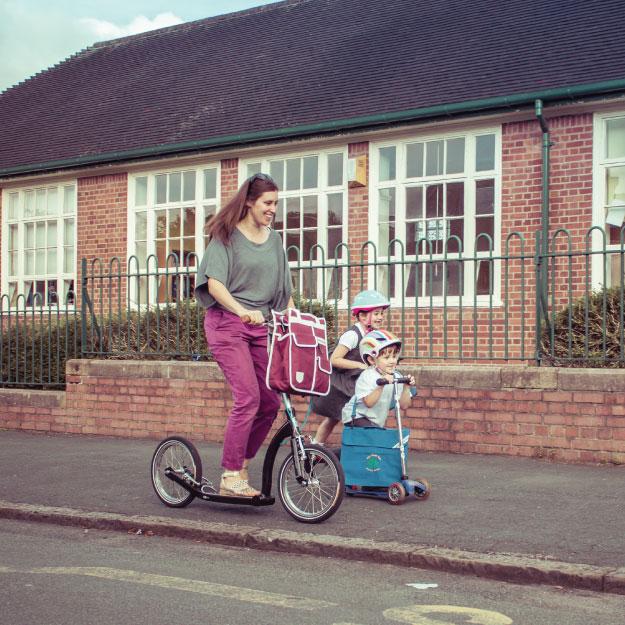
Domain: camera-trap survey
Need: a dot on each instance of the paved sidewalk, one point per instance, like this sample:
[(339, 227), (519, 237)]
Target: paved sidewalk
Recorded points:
[(504, 517)]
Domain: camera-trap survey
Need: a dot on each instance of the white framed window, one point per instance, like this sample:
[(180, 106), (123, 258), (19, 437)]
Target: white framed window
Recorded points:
[(608, 197), (168, 210), (311, 217), (39, 245), (438, 196)]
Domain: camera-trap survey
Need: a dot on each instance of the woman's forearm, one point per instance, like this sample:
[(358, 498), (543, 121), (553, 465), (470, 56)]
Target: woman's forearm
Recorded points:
[(222, 296)]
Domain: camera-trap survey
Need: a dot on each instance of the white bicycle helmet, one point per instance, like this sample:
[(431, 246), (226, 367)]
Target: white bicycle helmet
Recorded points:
[(366, 301), (375, 341)]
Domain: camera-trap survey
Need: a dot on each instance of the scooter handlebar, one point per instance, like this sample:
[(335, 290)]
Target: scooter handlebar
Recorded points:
[(384, 381)]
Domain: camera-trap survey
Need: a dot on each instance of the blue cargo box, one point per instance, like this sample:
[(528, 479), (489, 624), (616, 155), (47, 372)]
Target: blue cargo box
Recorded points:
[(370, 456)]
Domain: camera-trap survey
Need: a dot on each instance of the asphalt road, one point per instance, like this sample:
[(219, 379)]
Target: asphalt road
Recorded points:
[(51, 575)]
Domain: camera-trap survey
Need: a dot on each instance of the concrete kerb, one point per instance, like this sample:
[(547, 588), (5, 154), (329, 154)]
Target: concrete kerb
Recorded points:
[(504, 567)]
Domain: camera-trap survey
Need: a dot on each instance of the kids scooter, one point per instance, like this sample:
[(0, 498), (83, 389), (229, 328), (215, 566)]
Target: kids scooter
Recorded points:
[(369, 458)]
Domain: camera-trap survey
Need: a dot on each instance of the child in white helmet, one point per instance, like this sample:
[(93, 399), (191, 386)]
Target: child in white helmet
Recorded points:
[(369, 311), (370, 403)]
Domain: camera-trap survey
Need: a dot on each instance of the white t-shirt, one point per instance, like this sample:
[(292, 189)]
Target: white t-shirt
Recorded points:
[(365, 385), (350, 338)]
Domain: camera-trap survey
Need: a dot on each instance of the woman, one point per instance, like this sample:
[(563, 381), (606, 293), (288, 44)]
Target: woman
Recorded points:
[(244, 274)]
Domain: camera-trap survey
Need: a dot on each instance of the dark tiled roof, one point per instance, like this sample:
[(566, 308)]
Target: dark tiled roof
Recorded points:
[(303, 62)]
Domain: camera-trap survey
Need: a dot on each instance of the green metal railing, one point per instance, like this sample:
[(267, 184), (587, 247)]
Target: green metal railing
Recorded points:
[(448, 306)]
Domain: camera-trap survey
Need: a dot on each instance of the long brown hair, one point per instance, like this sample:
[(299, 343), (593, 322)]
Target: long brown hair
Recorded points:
[(222, 224)]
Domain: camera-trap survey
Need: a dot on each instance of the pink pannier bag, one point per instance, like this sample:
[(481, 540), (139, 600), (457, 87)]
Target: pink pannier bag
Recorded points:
[(298, 358)]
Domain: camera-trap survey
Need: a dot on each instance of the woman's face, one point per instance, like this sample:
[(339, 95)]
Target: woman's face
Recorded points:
[(263, 210)]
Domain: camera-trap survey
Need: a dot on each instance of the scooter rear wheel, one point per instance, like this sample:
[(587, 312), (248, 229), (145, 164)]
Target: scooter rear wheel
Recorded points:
[(320, 494), (181, 456)]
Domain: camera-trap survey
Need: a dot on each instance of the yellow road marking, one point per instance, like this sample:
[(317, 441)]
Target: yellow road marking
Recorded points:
[(190, 585), (417, 615)]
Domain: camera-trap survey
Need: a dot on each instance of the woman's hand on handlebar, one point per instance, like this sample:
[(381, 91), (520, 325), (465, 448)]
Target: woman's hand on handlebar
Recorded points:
[(253, 317)]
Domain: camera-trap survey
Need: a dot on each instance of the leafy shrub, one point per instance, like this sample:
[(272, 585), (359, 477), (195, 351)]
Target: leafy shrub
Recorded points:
[(588, 333)]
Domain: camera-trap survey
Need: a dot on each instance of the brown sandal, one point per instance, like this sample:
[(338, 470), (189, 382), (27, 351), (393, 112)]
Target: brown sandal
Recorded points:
[(233, 484)]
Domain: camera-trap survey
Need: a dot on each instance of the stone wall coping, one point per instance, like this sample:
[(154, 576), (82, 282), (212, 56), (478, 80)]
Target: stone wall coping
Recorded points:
[(469, 376)]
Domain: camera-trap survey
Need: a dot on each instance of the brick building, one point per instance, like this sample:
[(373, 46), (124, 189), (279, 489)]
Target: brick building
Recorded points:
[(407, 130)]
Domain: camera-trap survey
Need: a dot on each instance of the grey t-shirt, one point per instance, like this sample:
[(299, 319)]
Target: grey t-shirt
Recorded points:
[(365, 385), (255, 274)]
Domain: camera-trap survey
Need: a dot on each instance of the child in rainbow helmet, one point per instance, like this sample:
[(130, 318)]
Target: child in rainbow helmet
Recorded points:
[(369, 312), (370, 403)]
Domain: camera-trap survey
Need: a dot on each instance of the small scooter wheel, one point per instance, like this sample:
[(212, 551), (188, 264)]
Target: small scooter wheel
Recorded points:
[(396, 493), (422, 488)]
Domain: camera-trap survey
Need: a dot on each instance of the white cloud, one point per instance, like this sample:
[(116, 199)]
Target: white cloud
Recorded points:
[(102, 29)]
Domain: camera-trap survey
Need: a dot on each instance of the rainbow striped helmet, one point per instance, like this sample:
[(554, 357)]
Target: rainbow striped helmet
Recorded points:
[(375, 341)]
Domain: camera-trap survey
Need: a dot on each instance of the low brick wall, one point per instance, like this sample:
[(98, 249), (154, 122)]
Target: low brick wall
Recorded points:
[(570, 415)]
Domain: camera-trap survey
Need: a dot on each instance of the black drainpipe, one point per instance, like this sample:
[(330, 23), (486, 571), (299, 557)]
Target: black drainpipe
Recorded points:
[(541, 254)]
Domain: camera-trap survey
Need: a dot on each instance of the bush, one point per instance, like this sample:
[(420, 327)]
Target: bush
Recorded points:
[(587, 333), (34, 348)]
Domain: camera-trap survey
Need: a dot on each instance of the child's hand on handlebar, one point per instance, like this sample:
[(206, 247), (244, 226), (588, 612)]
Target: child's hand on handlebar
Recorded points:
[(253, 317)]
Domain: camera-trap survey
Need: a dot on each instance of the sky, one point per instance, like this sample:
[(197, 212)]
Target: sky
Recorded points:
[(36, 34)]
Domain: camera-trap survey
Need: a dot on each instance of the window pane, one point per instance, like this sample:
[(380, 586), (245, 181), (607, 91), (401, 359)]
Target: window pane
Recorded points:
[(434, 200), (141, 191), (310, 211), (210, 184), (483, 278), (12, 293), (161, 224), (69, 199), (455, 198), (434, 158), (40, 202), (189, 222), (310, 172), (484, 226), (12, 263), (292, 213), (276, 171), (453, 283), (40, 261), (434, 277), (335, 237), (456, 236), (175, 187), (40, 234), (30, 235), (141, 226), (68, 259), (455, 156), (29, 204), (51, 264), (387, 163), (293, 174), (253, 168), (335, 169), (13, 237), (53, 205), (53, 295), (310, 239), (387, 205), (615, 195), (412, 233), (485, 153), (335, 209), (414, 160), (174, 223), (188, 184), (615, 143), (485, 197), (278, 220), (51, 234), (13, 201), (161, 188), (414, 202), (292, 245), (141, 254), (29, 264)]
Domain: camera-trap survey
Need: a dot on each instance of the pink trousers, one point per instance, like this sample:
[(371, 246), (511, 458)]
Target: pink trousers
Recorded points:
[(241, 352)]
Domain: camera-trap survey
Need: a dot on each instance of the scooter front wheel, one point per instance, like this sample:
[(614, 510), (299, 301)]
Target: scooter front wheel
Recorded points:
[(181, 456), (318, 493), (422, 488)]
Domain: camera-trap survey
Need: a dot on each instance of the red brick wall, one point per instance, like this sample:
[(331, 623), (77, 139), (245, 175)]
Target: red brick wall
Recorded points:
[(229, 178), (102, 227), (567, 415)]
